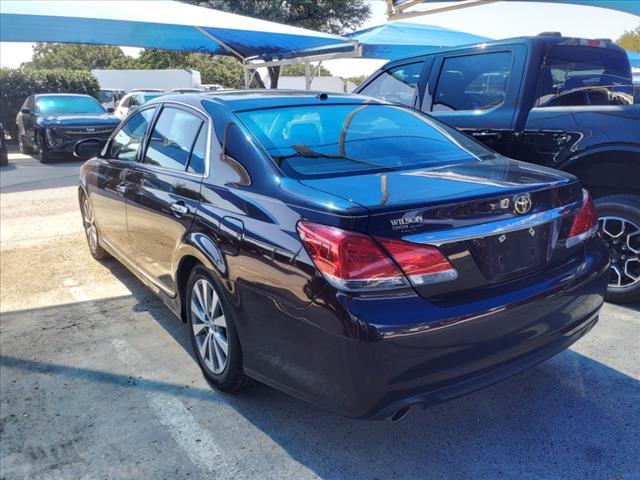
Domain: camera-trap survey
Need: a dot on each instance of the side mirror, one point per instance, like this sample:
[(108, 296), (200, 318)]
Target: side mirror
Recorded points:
[(89, 147), (111, 110), (25, 110)]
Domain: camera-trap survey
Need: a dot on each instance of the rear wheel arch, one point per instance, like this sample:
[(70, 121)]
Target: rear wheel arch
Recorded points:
[(608, 171), (197, 251), (185, 267)]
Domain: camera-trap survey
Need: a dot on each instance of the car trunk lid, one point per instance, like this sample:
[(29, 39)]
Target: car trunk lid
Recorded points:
[(496, 220)]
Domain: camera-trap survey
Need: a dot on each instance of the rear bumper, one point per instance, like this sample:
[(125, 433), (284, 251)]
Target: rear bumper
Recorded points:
[(392, 352), (434, 394)]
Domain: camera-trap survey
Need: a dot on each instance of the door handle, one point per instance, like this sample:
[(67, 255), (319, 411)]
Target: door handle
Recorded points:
[(121, 188), (179, 208)]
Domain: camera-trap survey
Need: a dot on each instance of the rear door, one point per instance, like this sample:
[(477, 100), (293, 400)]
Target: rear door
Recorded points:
[(165, 191), (478, 93)]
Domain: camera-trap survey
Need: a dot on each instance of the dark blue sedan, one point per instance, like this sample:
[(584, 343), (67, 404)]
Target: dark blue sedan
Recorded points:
[(358, 255)]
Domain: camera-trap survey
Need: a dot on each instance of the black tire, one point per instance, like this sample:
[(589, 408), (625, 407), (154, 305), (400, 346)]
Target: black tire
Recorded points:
[(4, 155), (24, 148), (95, 248), (626, 208), (43, 154), (231, 378)]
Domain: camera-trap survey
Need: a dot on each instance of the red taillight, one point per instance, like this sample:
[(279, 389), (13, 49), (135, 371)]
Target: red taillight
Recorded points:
[(354, 261), (585, 224), (349, 260), (423, 264)]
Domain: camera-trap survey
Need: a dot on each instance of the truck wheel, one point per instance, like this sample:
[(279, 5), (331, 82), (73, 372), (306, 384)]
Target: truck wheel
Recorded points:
[(619, 217)]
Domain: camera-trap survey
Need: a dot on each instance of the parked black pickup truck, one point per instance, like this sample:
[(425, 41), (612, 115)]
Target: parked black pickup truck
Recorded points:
[(561, 102)]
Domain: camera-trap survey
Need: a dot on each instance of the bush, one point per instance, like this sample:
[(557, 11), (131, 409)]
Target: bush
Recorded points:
[(17, 84)]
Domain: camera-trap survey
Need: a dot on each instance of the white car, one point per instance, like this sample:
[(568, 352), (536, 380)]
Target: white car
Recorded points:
[(134, 100)]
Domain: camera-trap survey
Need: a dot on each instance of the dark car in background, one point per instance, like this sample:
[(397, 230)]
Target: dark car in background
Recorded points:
[(565, 103), (4, 153), (359, 255), (51, 124)]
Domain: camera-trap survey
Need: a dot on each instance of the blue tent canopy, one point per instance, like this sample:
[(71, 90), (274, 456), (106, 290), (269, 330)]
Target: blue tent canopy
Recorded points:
[(634, 59), (156, 24), (627, 6), (402, 39)]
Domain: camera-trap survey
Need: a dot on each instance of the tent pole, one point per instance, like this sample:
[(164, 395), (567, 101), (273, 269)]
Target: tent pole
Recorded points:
[(307, 75), (247, 78)]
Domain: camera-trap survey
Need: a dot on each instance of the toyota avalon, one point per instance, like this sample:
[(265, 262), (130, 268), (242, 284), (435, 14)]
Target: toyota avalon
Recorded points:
[(359, 255)]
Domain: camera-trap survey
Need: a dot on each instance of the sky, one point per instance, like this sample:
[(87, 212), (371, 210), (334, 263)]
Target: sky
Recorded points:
[(496, 20)]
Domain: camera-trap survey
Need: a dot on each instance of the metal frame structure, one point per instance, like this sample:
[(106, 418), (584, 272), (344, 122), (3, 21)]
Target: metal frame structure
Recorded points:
[(253, 63), (399, 12)]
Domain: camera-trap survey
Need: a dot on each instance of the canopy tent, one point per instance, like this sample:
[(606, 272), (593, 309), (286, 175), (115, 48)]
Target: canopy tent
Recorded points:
[(162, 24), (634, 59), (399, 9), (154, 24), (401, 39)]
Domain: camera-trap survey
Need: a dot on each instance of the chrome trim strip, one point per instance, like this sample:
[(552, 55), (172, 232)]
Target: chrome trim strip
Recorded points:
[(492, 228)]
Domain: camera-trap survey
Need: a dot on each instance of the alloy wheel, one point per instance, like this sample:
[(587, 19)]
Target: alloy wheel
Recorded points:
[(209, 326), (623, 239), (89, 225)]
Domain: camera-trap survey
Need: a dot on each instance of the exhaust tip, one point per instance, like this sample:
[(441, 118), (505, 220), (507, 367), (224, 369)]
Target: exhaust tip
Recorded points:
[(400, 414)]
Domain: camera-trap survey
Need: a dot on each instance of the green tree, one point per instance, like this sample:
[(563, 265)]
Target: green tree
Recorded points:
[(330, 16), (75, 56), (356, 80), (630, 40), (298, 70)]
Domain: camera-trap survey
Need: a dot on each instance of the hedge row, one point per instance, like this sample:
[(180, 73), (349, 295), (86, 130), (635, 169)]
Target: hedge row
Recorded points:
[(17, 84)]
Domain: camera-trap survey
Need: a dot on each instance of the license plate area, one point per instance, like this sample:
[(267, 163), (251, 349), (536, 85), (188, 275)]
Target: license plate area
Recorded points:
[(504, 255)]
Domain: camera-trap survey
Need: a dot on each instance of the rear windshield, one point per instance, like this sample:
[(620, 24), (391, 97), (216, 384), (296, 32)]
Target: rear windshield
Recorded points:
[(578, 75), (63, 104), (329, 140)]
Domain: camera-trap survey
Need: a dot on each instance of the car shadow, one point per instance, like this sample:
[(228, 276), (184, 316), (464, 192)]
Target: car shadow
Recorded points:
[(570, 417)]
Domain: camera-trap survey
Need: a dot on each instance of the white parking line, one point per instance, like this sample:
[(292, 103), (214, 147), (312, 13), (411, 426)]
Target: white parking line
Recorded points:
[(76, 291), (199, 445)]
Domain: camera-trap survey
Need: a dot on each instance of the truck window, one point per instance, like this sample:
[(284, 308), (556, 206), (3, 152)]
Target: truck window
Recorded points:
[(397, 84), (579, 75), (473, 82)]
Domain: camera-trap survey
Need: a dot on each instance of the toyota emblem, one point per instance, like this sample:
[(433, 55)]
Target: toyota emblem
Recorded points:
[(522, 204)]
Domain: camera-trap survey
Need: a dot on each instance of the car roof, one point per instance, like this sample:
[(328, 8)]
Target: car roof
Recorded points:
[(238, 100), (542, 39)]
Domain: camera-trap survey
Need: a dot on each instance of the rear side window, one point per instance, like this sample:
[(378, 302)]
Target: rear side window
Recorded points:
[(473, 82), (397, 85), (172, 139), (126, 143), (196, 162), (579, 75)]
